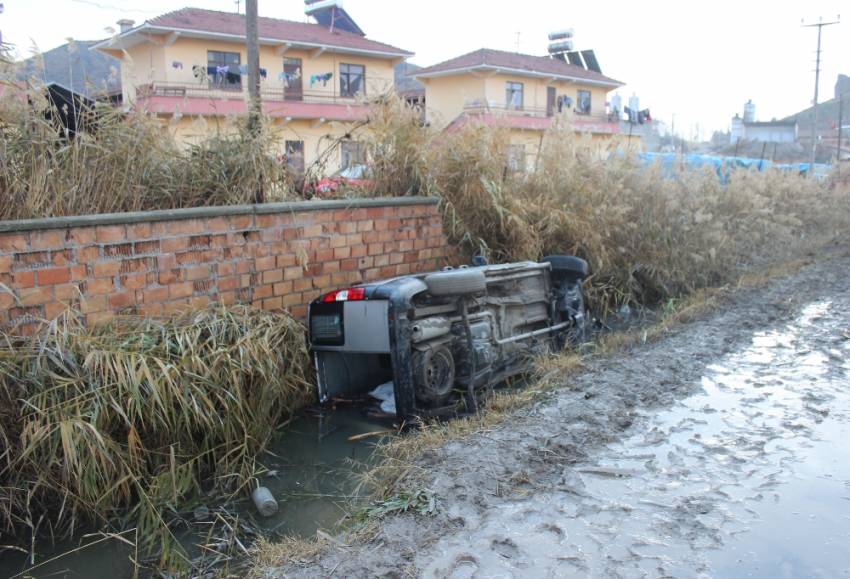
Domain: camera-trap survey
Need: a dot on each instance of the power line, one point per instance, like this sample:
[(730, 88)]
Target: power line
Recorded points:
[(116, 8), (820, 24)]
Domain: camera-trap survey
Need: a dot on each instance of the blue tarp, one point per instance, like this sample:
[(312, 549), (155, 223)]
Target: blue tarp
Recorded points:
[(723, 165)]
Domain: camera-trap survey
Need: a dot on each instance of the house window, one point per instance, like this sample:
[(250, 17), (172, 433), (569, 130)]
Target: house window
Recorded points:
[(583, 102), (351, 79), (516, 158), (513, 95), (295, 156), (223, 69), (352, 153)]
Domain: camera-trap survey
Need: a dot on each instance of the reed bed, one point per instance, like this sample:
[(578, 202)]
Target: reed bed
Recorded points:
[(130, 422), (124, 161), (648, 237)]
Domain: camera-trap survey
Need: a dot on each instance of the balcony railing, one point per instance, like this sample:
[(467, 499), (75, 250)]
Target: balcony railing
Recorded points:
[(539, 112), (268, 92)]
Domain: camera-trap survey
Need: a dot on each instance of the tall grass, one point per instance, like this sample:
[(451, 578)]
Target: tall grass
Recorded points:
[(136, 419), (123, 161), (646, 236)]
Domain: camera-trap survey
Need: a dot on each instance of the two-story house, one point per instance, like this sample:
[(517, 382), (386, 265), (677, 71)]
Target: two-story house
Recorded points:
[(188, 67), (518, 92)]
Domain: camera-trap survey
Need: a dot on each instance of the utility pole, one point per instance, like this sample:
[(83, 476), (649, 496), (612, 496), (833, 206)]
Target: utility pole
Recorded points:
[(840, 120), (252, 35), (820, 24), (254, 104)]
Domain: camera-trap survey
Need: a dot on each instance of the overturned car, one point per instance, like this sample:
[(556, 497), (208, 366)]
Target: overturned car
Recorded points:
[(434, 341)]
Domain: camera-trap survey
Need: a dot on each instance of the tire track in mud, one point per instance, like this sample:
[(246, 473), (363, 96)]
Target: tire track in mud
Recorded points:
[(656, 462)]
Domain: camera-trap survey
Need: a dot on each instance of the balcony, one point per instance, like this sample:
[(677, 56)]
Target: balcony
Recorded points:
[(207, 98), (539, 118)]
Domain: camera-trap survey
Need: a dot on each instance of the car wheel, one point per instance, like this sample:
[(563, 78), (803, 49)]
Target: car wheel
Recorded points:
[(456, 282), (569, 265), (433, 374)]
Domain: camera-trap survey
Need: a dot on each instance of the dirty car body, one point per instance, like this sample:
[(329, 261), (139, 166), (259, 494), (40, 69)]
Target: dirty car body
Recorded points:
[(441, 337)]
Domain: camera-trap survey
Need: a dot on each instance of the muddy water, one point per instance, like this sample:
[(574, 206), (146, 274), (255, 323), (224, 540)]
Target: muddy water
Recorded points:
[(749, 478), (312, 471)]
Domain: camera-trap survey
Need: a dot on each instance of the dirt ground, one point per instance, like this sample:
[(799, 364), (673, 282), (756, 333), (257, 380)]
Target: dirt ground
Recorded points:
[(714, 451)]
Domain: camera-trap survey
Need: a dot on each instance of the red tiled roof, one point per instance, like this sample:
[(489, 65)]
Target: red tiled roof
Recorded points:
[(489, 58), (213, 21)]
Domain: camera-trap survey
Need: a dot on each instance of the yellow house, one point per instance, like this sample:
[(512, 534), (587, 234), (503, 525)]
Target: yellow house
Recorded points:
[(187, 67), (520, 92)]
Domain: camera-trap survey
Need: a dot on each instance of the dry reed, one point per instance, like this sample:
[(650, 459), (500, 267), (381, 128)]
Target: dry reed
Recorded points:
[(134, 419)]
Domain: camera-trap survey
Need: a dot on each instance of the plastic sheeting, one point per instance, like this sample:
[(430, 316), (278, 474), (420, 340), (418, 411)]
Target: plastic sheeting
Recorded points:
[(670, 162)]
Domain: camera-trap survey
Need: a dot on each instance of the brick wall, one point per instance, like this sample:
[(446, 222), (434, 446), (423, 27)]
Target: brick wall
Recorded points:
[(274, 256)]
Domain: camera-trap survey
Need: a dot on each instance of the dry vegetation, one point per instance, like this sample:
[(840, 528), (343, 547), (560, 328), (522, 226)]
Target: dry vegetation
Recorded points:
[(647, 238), (121, 162), (133, 420)]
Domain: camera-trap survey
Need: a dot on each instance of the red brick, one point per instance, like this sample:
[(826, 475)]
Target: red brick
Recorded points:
[(302, 285), (80, 236), (185, 226), (62, 257), (155, 295), (321, 282), (88, 254), (298, 312), (348, 265), (265, 263), (264, 291), (143, 247), (54, 310), (6, 263), (272, 276), (7, 300), (242, 221), (196, 272), (32, 259), (168, 277), (99, 286), (135, 281), (272, 303), (217, 224), (110, 233), (24, 279), (54, 239), (228, 283), (199, 302), (122, 300), (358, 250), (93, 304), (292, 300), (330, 267), (367, 225), (67, 292), (36, 296), (283, 288), (54, 276), (174, 244), (139, 231), (342, 252), (180, 290), (293, 272), (10, 242), (227, 298)]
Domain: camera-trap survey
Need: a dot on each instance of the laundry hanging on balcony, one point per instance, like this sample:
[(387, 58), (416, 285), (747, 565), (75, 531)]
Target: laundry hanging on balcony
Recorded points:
[(564, 102), (322, 78)]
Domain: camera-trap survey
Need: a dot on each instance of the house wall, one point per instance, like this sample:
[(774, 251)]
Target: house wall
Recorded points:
[(155, 61), (321, 141), (534, 92), (446, 96), (770, 134), (273, 256)]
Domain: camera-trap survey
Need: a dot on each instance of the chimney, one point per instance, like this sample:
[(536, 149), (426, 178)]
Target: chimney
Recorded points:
[(125, 24)]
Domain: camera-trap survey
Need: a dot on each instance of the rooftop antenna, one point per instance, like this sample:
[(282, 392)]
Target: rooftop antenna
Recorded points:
[(820, 24), (238, 5), (518, 33)]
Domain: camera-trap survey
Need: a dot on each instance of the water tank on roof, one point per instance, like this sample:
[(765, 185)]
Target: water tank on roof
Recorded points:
[(560, 46), (749, 112), (561, 34)]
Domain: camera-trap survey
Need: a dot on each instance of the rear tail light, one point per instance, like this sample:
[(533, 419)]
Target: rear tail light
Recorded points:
[(352, 294)]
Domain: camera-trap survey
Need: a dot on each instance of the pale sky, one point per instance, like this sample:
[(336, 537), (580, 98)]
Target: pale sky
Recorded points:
[(698, 60)]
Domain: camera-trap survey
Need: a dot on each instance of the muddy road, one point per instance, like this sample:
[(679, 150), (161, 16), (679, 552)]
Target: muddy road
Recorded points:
[(718, 451)]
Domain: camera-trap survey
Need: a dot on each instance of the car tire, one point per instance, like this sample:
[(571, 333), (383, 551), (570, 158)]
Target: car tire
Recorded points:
[(456, 282), (433, 374), (567, 265)]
